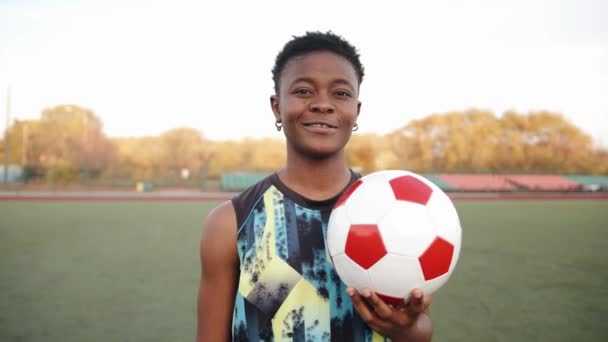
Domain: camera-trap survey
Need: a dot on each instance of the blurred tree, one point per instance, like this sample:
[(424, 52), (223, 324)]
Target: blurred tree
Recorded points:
[(183, 148), (448, 142), (69, 139), (137, 158), (23, 150), (73, 133), (408, 144), (226, 158), (249, 155), (477, 141), (362, 152), (66, 136), (543, 142), (263, 155), (599, 162)]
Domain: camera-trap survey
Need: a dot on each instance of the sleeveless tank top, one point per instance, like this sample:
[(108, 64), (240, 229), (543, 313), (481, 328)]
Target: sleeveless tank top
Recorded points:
[(288, 289)]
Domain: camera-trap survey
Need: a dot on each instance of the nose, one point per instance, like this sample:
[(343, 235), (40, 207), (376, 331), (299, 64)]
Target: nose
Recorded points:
[(322, 104)]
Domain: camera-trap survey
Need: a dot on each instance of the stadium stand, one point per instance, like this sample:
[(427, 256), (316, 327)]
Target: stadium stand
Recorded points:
[(440, 183), (593, 183), (477, 182), (239, 181), (543, 182)]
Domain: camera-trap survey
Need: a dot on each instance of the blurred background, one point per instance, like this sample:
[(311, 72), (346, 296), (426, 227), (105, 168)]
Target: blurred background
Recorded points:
[(125, 122), (67, 149), (107, 95)]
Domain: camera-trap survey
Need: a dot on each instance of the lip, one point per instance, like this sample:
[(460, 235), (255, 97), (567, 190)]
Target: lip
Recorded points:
[(320, 122), (319, 127)]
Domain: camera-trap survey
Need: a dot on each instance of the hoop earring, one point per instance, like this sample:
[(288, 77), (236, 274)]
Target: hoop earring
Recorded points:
[(278, 125), (356, 127)]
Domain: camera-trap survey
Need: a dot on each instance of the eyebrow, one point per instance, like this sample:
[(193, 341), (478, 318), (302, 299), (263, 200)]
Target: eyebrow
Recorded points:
[(310, 80)]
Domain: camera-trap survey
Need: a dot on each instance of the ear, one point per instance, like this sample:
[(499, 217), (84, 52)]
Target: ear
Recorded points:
[(358, 108), (274, 105)]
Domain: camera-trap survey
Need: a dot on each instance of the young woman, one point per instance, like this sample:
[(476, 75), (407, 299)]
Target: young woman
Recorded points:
[(265, 272)]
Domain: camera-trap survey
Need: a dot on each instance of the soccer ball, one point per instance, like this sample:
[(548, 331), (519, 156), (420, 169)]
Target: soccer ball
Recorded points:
[(393, 231)]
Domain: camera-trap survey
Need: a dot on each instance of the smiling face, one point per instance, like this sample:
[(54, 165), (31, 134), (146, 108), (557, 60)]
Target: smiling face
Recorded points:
[(317, 103)]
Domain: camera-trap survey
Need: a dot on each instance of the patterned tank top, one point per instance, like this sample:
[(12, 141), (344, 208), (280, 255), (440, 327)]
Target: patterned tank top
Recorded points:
[(288, 289)]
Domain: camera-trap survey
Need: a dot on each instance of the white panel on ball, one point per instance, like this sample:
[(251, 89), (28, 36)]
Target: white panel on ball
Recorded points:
[(396, 275), (351, 273), (369, 202), (446, 222), (336, 236), (430, 286), (407, 229)]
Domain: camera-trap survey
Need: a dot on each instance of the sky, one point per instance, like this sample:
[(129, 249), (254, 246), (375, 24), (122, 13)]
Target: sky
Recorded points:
[(145, 67)]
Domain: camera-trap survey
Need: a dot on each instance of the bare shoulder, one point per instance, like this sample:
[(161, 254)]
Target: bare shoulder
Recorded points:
[(218, 238), (221, 219)]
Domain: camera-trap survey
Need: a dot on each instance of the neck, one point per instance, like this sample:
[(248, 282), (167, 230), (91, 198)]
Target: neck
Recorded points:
[(317, 179)]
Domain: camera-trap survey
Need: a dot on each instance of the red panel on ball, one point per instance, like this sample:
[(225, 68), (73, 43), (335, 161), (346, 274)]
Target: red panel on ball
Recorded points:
[(390, 300), (408, 188), (436, 260), (347, 193), (364, 245)]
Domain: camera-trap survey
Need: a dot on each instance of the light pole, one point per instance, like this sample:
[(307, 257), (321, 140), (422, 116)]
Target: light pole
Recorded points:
[(6, 142)]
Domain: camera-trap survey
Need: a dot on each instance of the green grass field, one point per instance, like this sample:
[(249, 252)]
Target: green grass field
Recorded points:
[(128, 271)]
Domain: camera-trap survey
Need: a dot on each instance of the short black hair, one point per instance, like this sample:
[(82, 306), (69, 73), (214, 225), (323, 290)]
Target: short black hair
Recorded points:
[(312, 42)]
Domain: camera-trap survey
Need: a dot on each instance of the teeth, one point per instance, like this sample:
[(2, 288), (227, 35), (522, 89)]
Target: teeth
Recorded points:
[(319, 125)]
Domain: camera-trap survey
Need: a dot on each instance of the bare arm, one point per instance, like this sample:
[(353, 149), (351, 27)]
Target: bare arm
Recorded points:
[(219, 275)]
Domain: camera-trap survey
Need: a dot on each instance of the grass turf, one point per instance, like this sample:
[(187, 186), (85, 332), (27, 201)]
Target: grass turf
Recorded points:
[(128, 271)]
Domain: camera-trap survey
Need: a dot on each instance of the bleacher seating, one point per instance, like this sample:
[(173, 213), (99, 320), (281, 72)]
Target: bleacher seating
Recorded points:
[(590, 182), (239, 181), (543, 182), (477, 182), (440, 183)]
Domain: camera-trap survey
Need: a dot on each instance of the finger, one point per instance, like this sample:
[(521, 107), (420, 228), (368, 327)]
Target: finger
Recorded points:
[(427, 302), (360, 305), (384, 311), (380, 307), (366, 313), (416, 304)]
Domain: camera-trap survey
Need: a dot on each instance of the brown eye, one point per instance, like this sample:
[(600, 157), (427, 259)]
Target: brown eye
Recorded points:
[(302, 92), (342, 94)]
